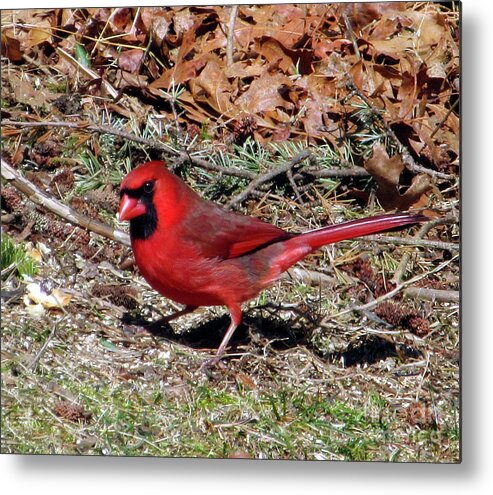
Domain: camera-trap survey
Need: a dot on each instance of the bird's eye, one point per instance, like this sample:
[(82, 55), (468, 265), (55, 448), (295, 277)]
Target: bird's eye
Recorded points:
[(148, 187)]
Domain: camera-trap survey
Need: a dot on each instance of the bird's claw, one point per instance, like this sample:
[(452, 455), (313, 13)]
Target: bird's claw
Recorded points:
[(212, 363)]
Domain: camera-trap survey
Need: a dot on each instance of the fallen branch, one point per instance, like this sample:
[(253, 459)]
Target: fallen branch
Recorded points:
[(150, 143), (308, 277), (388, 239), (46, 201), (434, 295), (425, 228), (328, 173), (394, 291), (34, 363), (231, 34), (183, 156), (268, 176)]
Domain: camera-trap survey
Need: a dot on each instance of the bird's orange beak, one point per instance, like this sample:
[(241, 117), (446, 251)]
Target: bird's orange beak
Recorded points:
[(130, 208)]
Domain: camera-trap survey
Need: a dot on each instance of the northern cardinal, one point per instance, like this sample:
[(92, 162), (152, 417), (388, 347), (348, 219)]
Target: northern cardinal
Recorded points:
[(199, 254)]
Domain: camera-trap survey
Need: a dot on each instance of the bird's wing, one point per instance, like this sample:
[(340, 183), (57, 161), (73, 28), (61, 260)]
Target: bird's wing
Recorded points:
[(218, 233)]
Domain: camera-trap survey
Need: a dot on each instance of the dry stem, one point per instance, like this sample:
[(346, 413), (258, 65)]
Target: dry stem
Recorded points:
[(39, 197)]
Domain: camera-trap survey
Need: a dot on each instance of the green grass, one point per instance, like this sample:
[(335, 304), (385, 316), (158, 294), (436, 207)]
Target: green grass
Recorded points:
[(144, 419), (16, 259)]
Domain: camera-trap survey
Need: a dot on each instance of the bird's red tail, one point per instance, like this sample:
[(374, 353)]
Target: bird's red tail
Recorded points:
[(356, 228), (298, 247)]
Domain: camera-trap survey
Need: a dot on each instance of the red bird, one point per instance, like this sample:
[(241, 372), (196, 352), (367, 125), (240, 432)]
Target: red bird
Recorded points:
[(199, 254)]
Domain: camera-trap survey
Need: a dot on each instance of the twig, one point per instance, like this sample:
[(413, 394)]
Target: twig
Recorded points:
[(438, 295), (308, 277), (262, 179), (448, 246), (425, 228), (86, 126), (290, 177), (327, 173), (199, 162), (184, 156), (231, 34), (445, 117), (88, 72), (34, 363), (350, 31), (51, 204), (396, 290), (151, 143), (406, 155)]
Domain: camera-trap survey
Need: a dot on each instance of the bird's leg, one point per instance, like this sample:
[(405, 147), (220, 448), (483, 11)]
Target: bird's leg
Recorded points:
[(236, 313), (166, 319), (177, 314)]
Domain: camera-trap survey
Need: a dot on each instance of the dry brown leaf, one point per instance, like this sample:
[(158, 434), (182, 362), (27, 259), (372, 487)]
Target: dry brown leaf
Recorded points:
[(363, 13), (130, 60), (196, 111), (416, 195), (25, 92), (324, 49), (288, 60), (156, 23), (243, 70), (212, 87), (273, 52), (264, 94), (387, 171), (181, 73), (11, 47), (407, 94), (40, 34), (125, 79)]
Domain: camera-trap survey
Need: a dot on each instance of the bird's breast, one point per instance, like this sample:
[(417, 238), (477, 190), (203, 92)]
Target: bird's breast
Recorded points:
[(182, 273)]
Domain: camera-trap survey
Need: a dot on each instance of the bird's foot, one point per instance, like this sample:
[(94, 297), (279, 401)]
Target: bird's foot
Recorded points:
[(208, 364), (134, 326)]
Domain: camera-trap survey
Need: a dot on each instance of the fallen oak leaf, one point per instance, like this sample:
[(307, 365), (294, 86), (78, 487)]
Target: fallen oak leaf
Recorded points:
[(40, 34), (387, 172), (289, 60), (264, 94), (131, 60), (416, 195), (212, 87), (11, 48)]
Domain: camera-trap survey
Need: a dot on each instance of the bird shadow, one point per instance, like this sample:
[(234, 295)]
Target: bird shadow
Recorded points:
[(370, 350), (281, 335)]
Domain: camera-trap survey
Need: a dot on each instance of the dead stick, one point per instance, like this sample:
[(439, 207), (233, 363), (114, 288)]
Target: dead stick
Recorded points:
[(350, 31), (399, 273), (445, 117), (262, 179), (326, 173), (151, 143), (51, 204), (34, 363), (449, 246), (395, 291), (231, 34), (184, 156), (434, 295), (86, 126)]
